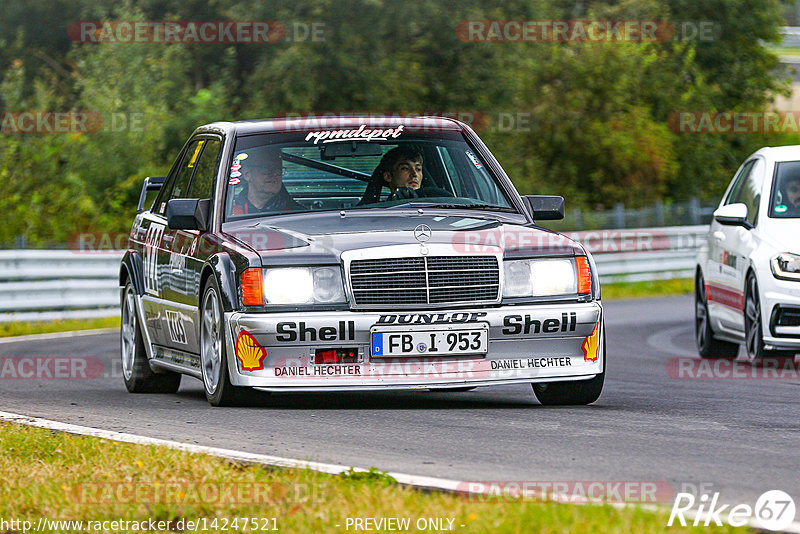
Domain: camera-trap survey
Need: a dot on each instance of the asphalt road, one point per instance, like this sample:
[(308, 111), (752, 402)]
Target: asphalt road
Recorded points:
[(739, 437)]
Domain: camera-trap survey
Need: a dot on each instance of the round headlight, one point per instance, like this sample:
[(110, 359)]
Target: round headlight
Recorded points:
[(328, 284), (517, 276)]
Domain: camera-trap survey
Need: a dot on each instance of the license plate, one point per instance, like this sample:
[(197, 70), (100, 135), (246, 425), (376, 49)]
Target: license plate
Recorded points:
[(448, 341)]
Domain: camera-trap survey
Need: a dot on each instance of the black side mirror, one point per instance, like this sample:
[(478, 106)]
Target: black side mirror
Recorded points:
[(151, 183), (544, 207), (188, 213)]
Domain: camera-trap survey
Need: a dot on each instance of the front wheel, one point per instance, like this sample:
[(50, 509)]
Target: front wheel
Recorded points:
[(136, 372), (707, 345), (213, 363), (573, 393), (753, 330)]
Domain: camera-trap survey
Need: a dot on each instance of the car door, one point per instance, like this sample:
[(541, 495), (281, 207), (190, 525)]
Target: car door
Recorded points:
[(745, 239), (201, 187), (156, 254), (733, 247), (179, 263)]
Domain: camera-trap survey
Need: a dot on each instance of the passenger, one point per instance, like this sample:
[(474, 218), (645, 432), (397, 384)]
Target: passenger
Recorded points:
[(264, 190)]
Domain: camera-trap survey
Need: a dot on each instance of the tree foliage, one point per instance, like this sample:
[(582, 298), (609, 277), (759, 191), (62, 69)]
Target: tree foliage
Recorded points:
[(586, 120)]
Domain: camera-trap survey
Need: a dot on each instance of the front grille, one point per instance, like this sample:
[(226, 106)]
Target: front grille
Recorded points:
[(436, 280)]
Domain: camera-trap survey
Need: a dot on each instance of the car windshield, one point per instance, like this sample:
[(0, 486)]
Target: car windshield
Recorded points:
[(785, 202), (358, 169)]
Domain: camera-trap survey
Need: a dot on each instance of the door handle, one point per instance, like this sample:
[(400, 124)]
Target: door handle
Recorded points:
[(719, 236)]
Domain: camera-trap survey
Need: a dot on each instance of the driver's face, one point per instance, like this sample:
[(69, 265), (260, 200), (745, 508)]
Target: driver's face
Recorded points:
[(264, 181), (405, 173), (793, 192)]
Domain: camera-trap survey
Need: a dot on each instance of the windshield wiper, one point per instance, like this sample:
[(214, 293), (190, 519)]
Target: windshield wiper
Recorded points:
[(473, 207), (451, 206)]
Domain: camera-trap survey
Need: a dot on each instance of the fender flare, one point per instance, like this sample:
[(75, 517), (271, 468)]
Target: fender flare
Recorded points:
[(222, 268), (131, 267)]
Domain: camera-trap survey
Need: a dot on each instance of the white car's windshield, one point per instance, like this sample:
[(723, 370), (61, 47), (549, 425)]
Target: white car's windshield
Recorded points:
[(306, 171)]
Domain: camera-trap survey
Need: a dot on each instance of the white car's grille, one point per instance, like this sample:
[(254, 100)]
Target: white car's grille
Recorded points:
[(425, 280)]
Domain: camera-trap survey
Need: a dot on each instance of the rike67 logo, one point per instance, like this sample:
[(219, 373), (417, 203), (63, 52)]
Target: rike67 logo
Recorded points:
[(773, 510)]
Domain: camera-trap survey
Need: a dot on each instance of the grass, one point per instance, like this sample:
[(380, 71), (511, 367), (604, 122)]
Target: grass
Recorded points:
[(46, 327), (67, 477), (651, 289), (784, 51)]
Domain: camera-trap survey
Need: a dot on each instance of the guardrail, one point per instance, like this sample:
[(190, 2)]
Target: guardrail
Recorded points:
[(638, 254), (43, 285), (60, 284)]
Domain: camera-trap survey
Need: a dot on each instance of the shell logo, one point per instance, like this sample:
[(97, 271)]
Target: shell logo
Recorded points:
[(590, 344), (249, 352)]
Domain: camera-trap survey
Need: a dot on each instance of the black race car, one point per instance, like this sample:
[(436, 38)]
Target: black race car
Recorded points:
[(357, 253)]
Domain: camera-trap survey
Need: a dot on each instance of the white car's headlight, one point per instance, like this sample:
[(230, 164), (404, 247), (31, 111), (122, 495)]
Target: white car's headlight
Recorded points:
[(539, 278), (303, 285), (786, 266)]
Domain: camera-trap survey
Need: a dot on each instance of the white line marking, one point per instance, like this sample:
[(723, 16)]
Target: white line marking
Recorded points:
[(662, 341), (58, 335), (334, 469)]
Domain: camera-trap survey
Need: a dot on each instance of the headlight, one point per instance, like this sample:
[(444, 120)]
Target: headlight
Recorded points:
[(786, 266), (304, 285), (539, 278), (328, 284)]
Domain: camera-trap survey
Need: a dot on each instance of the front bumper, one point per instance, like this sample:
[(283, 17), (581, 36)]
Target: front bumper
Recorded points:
[(778, 296), (532, 343)]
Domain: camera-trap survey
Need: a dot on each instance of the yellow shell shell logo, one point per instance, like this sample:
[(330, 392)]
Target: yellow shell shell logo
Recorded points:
[(590, 344), (249, 352)]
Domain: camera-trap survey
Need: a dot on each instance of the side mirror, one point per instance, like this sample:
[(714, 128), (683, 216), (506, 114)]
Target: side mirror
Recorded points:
[(733, 215), (188, 213), (151, 183), (544, 207)]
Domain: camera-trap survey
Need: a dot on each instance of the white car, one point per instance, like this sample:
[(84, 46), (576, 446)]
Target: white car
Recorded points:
[(747, 281)]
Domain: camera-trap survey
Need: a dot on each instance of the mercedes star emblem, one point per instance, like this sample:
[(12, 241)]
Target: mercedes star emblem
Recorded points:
[(422, 233)]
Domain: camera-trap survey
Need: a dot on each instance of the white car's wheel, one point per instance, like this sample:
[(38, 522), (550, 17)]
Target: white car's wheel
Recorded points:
[(707, 345), (753, 334), (136, 372)]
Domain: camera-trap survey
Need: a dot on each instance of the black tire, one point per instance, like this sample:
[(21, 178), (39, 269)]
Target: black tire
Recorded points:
[(753, 334), (572, 393), (213, 362), (136, 371), (707, 345)]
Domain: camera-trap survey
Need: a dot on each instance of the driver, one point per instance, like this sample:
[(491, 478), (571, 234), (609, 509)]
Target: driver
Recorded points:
[(792, 189), (402, 171)]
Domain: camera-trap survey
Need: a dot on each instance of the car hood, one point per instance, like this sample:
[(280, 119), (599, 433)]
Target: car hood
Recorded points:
[(323, 236), (781, 234)]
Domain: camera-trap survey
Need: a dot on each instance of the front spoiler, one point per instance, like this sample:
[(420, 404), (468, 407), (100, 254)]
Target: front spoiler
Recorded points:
[(520, 351)]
